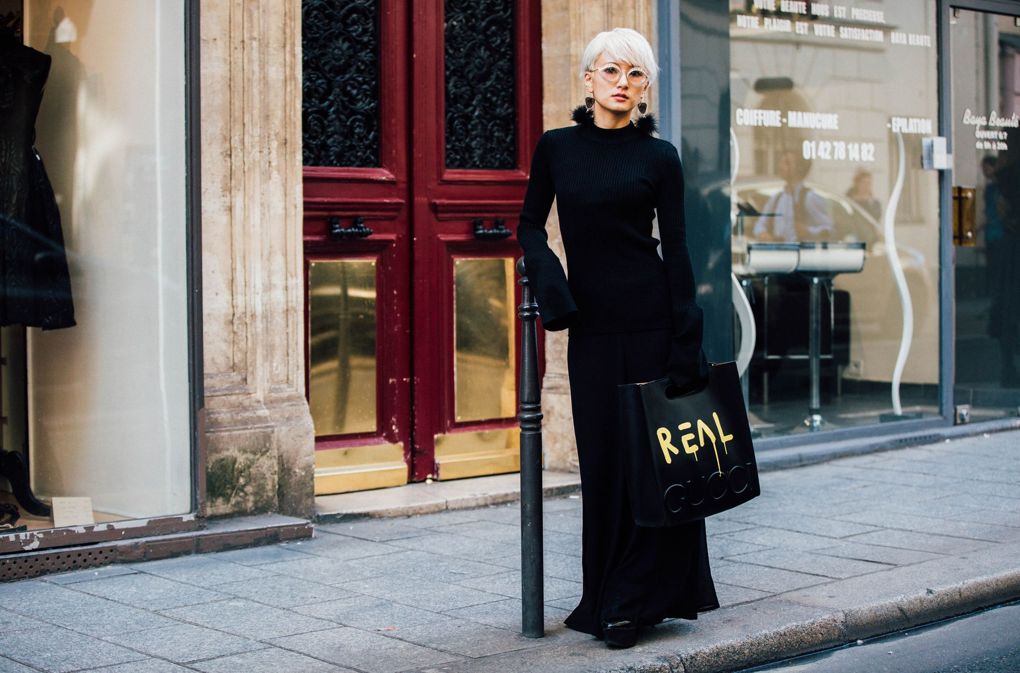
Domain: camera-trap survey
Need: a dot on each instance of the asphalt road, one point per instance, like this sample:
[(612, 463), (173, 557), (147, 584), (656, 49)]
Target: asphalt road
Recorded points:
[(987, 642)]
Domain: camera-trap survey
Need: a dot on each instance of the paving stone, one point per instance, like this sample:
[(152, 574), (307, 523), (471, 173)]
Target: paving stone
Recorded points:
[(762, 578), (569, 503), (560, 566), (716, 525), (205, 570), (729, 594), (567, 604), (509, 584), (11, 666), (983, 488), (562, 543), (375, 530), (256, 556), (90, 574), (984, 501), (421, 593), (148, 591), (777, 537), (506, 614), (82, 612), (465, 637), (447, 518), (184, 643), (143, 666), (284, 591), (438, 567), (323, 570), (370, 613), (463, 547), (722, 547), (369, 652), (245, 618), (903, 539), (270, 660), (807, 562), (875, 553), (802, 523), (485, 530), (342, 547), (12, 621), (51, 648), (938, 526)]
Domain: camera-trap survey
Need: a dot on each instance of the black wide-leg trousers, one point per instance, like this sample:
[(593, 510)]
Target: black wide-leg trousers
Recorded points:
[(641, 574)]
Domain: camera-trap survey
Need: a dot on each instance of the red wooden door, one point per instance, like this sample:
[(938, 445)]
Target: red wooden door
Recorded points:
[(477, 115), (410, 313)]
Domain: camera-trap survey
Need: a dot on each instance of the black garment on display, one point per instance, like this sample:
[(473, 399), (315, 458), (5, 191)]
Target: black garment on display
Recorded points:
[(35, 285), (632, 317)]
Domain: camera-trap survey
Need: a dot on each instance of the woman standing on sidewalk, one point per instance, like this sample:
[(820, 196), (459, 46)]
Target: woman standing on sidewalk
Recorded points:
[(632, 317)]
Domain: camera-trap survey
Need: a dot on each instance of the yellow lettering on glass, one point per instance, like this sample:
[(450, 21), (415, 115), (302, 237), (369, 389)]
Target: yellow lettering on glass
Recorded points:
[(686, 439), (666, 444)]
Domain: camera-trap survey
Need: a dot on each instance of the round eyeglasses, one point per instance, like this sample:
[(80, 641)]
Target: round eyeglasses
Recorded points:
[(610, 73)]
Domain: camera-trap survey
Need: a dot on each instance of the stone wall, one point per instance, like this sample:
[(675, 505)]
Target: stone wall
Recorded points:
[(567, 26), (258, 437)]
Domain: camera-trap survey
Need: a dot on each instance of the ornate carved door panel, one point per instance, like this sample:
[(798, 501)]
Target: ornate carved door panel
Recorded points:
[(419, 119)]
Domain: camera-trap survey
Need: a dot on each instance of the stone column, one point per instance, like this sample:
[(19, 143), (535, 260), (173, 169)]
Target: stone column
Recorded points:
[(579, 20), (258, 434)]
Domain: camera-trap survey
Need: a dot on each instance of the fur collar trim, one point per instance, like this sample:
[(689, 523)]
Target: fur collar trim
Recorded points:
[(647, 124)]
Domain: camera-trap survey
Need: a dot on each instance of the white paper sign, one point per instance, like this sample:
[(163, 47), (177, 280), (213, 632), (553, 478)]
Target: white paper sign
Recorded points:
[(72, 512)]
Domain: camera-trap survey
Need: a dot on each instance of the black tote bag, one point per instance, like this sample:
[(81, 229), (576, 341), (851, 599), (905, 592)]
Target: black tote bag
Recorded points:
[(686, 457)]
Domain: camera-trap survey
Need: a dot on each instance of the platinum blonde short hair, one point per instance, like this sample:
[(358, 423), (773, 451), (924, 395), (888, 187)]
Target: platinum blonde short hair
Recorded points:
[(621, 44)]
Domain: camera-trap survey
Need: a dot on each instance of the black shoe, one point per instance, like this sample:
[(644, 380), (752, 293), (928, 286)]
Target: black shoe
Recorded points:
[(620, 634)]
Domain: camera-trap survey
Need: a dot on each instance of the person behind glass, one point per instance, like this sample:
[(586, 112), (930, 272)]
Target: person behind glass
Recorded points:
[(861, 194), (632, 317), (796, 213), (1004, 316)]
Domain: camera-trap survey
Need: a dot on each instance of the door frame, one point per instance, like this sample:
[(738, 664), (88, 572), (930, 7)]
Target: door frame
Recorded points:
[(947, 272)]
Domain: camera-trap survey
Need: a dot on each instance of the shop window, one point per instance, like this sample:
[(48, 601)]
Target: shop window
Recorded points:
[(829, 103), (95, 377)]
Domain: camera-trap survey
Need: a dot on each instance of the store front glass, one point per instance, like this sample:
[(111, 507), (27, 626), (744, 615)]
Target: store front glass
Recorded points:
[(835, 223), (985, 62), (95, 376)]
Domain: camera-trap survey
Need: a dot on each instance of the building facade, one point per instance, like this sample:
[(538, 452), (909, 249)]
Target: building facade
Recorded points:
[(288, 229)]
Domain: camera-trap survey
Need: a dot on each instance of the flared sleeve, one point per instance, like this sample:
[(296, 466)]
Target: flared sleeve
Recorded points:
[(687, 367), (545, 274)]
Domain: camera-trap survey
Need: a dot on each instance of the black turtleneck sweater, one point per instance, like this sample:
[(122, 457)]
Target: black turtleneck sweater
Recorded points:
[(609, 185)]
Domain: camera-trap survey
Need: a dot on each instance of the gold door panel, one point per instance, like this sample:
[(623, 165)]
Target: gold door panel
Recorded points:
[(478, 453), (342, 377)]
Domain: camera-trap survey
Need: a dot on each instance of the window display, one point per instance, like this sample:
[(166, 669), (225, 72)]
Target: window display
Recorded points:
[(835, 224), (93, 286)]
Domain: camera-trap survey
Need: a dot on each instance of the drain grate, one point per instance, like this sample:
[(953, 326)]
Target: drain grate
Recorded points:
[(44, 563)]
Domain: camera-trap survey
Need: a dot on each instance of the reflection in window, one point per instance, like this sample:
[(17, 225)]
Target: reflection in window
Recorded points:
[(816, 103)]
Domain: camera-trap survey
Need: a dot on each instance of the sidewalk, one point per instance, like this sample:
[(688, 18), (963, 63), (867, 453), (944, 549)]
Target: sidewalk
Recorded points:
[(828, 554)]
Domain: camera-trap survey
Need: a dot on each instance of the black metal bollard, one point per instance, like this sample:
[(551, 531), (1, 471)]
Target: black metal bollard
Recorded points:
[(530, 417)]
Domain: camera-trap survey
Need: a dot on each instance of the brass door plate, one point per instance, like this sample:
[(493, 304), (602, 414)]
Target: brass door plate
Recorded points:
[(478, 453), (359, 468)]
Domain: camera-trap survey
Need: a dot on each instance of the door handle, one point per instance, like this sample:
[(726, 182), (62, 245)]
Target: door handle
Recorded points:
[(358, 229), (498, 230), (964, 220)]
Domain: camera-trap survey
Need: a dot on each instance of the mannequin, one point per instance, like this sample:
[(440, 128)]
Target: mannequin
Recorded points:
[(35, 286)]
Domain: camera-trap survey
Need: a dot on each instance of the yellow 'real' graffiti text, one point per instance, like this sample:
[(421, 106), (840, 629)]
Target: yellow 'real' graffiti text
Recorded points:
[(687, 439)]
